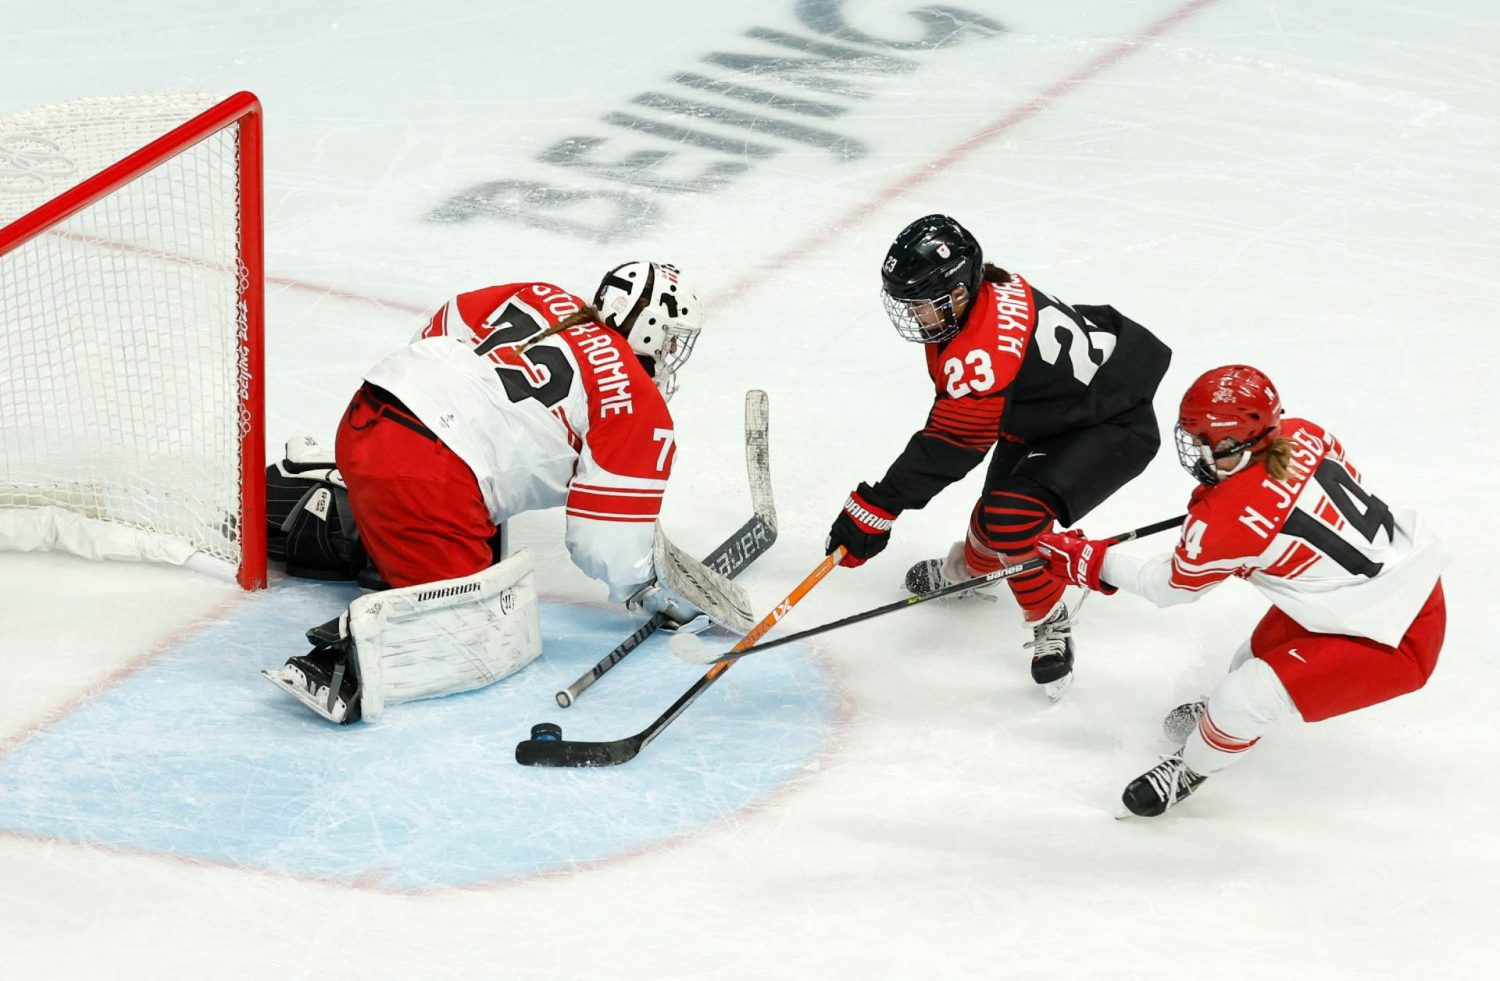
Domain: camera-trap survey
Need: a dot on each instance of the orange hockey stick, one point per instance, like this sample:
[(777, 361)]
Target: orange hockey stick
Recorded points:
[(552, 750)]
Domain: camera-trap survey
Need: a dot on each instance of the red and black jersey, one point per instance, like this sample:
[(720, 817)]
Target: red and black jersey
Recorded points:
[(1025, 367)]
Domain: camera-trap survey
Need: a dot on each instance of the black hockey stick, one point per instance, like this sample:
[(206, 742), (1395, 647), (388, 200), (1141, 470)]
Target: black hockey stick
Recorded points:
[(684, 650), (746, 545), (738, 551), (553, 750)]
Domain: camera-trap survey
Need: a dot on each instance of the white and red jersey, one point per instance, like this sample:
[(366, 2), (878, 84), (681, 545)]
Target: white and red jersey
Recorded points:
[(1323, 549), (574, 419)]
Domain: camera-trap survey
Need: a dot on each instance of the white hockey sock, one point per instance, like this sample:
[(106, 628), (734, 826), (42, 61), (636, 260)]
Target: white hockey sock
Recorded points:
[(1248, 702)]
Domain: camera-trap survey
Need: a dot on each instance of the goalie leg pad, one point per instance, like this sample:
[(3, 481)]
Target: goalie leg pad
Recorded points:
[(444, 637)]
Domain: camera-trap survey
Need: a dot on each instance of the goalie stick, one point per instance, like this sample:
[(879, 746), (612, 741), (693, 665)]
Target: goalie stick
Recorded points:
[(692, 650), (556, 751), (746, 545)]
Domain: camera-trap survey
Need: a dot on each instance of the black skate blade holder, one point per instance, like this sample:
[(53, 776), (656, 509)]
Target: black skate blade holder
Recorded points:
[(330, 634)]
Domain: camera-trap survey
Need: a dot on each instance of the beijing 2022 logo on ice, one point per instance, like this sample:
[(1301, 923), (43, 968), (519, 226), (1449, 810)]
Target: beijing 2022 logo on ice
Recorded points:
[(786, 90)]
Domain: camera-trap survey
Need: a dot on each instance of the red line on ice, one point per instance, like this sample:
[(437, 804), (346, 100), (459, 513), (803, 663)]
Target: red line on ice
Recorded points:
[(927, 172)]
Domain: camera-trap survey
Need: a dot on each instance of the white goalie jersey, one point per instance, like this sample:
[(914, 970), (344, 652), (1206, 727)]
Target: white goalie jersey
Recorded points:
[(573, 420)]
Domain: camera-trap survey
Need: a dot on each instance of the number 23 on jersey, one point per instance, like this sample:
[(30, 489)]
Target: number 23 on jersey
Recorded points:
[(974, 373)]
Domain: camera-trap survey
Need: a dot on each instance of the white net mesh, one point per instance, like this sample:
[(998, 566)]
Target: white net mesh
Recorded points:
[(119, 327)]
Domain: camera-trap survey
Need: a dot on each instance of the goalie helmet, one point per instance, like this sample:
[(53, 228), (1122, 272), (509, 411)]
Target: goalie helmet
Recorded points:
[(930, 277), (1227, 412), (648, 303)]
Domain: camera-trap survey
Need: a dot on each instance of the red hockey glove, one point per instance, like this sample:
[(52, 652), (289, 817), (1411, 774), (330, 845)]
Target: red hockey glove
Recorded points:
[(1075, 559), (863, 528)]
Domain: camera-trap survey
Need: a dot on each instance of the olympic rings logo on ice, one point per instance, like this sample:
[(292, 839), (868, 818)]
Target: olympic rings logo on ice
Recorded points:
[(29, 163)]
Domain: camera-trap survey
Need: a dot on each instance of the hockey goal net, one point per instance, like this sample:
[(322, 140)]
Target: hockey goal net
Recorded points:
[(131, 312)]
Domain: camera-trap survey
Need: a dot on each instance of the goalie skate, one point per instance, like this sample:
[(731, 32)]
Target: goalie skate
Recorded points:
[(320, 680)]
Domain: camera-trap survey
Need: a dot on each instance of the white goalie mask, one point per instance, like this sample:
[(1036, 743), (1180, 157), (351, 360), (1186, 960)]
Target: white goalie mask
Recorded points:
[(651, 307)]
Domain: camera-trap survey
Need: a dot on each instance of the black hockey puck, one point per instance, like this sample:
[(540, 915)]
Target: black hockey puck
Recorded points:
[(546, 732)]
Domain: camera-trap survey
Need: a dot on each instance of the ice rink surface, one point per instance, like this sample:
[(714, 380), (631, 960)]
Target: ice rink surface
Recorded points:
[(1308, 186)]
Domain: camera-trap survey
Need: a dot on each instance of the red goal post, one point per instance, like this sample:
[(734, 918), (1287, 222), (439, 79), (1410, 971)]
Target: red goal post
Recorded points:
[(132, 306)]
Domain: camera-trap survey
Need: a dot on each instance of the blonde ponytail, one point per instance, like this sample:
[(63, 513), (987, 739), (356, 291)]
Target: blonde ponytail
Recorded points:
[(1279, 462)]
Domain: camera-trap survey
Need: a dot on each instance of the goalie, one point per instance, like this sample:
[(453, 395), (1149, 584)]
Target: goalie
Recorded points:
[(510, 399)]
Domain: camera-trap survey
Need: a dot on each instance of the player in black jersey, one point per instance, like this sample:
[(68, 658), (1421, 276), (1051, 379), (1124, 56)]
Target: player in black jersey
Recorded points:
[(1061, 393)]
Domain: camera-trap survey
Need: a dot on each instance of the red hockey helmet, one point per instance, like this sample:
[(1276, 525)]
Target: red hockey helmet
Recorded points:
[(1229, 411)]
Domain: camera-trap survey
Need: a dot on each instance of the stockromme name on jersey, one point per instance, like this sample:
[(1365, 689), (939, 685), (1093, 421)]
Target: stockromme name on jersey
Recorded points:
[(599, 349), (687, 137)]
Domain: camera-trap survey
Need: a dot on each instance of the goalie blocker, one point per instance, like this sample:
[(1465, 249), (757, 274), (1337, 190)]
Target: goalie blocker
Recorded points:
[(690, 594), (400, 645)]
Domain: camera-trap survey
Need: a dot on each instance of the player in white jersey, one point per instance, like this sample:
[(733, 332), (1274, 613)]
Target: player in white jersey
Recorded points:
[(510, 399), (538, 404), (1357, 613)]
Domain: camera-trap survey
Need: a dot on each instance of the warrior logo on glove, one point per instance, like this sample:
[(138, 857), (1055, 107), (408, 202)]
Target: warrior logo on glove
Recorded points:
[(863, 528)]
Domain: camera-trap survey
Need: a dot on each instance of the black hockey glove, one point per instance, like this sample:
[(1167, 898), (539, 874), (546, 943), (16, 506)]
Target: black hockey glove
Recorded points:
[(863, 527), (310, 526)]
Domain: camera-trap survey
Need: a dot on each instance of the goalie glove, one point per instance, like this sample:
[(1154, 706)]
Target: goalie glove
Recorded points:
[(689, 594), (310, 526), (1075, 559)]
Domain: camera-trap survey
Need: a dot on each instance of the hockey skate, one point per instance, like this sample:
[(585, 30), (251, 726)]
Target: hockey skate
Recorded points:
[(1160, 788), (1182, 720), (1051, 649), (321, 680)]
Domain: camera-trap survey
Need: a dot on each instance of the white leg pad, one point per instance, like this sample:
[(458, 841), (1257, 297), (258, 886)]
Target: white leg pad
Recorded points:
[(444, 637)]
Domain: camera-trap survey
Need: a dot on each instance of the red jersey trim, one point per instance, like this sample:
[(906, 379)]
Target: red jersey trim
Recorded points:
[(971, 423), (1219, 739), (605, 516), (623, 504), (627, 491)]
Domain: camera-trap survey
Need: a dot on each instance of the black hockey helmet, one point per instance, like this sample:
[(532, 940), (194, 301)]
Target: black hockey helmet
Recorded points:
[(929, 261)]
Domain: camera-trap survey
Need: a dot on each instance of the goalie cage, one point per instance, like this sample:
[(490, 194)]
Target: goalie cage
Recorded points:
[(131, 324)]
